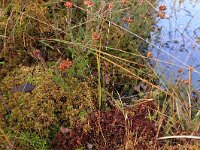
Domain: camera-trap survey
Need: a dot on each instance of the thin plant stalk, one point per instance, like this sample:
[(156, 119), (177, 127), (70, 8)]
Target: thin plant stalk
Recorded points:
[(6, 138), (99, 76), (189, 90)]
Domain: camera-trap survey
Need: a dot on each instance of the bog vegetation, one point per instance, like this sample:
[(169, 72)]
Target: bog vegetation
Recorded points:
[(76, 75)]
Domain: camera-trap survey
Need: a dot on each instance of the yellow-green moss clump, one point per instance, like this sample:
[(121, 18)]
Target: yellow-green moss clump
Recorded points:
[(55, 101)]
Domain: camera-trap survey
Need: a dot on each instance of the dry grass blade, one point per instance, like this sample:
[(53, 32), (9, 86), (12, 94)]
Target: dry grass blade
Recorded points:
[(180, 137)]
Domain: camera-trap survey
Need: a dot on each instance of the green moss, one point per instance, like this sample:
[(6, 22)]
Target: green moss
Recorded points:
[(48, 105)]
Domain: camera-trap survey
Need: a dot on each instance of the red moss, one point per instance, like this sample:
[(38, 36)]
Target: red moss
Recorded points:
[(109, 132)]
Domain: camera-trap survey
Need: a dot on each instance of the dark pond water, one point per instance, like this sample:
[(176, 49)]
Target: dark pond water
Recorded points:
[(178, 40)]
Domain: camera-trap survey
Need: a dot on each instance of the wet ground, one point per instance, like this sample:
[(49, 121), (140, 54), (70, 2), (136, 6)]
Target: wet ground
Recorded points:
[(177, 40)]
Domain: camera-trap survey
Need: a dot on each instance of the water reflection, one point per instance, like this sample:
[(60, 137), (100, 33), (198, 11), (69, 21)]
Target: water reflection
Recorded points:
[(179, 36)]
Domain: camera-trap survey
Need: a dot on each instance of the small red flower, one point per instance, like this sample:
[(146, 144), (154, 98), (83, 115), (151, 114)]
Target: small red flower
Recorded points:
[(110, 5), (161, 12), (130, 20), (149, 54), (65, 64), (89, 3), (162, 7), (190, 68), (186, 82), (95, 36), (68, 4), (180, 70)]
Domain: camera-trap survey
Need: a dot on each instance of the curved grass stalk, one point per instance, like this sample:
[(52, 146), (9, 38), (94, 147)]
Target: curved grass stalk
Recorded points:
[(134, 75), (145, 57), (180, 137)]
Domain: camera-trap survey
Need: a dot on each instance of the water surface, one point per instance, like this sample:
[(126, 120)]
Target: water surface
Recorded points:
[(178, 40)]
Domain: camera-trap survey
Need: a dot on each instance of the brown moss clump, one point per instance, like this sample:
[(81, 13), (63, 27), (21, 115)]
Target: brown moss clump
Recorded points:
[(110, 130), (49, 104)]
